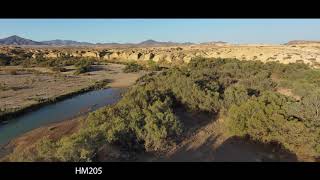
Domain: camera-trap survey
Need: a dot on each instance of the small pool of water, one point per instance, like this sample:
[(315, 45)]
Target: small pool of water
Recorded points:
[(58, 111)]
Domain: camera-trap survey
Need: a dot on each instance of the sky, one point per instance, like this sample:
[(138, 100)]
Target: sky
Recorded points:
[(274, 31)]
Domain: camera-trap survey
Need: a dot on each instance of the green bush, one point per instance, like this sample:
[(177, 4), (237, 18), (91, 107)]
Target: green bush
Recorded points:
[(153, 66), (244, 91), (132, 67), (307, 110), (265, 119), (235, 95), (4, 60), (82, 69)]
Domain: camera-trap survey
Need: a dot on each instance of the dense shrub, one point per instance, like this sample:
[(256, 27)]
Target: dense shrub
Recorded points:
[(265, 119), (308, 110), (4, 60), (153, 66), (55, 62), (142, 120), (83, 66), (82, 69), (235, 95), (132, 67), (244, 91)]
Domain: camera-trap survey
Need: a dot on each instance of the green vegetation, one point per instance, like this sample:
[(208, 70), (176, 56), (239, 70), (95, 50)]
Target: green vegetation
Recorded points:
[(266, 119), (132, 67), (153, 66), (55, 64), (83, 66), (4, 60), (244, 92)]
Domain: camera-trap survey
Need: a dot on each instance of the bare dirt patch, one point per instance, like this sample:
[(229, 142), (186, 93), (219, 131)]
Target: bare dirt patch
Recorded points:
[(288, 92), (211, 143)]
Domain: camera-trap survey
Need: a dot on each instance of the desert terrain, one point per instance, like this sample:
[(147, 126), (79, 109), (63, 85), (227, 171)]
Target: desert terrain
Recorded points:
[(28, 78), (307, 53)]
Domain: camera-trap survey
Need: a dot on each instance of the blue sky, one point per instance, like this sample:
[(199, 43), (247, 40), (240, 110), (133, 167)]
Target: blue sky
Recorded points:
[(178, 30)]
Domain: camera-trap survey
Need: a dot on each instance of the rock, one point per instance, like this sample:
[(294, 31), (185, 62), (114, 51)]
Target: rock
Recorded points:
[(158, 57), (51, 55), (148, 56), (90, 54), (114, 55)]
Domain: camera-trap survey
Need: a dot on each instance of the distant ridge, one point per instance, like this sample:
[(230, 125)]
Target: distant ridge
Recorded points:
[(151, 42), (294, 42), (16, 40)]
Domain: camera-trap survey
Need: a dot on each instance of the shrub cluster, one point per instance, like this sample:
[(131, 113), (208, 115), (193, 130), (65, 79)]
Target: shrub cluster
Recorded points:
[(243, 91), (132, 67)]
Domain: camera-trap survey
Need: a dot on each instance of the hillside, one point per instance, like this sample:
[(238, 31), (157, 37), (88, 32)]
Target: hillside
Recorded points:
[(16, 40)]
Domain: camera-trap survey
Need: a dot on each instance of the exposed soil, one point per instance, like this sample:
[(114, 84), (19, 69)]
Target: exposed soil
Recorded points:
[(211, 143), (207, 141)]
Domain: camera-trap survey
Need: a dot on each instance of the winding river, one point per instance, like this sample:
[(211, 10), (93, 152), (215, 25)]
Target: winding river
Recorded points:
[(59, 111)]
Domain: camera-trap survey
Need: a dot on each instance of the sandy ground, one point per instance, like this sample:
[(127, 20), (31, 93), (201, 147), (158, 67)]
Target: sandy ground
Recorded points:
[(207, 141), (211, 144), (29, 87)]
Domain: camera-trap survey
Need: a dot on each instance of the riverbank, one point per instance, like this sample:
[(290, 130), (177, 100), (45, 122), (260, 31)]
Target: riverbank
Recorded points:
[(53, 131), (27, 91), (61, 129)]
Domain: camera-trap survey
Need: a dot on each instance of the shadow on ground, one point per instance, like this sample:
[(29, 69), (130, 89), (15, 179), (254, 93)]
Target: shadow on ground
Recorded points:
[(233, 149)]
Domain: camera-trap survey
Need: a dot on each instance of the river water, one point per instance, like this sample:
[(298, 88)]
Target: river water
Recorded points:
[(58, 111)]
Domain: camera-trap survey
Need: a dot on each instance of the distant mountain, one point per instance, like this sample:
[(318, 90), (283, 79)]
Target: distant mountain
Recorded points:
[(16, 40), (295, 42), (59, 42), (151, 42)]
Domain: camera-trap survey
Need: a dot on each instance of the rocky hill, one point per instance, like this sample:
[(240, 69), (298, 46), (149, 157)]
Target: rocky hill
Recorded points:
[(16, 40)]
